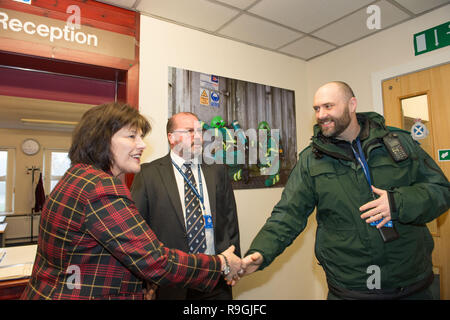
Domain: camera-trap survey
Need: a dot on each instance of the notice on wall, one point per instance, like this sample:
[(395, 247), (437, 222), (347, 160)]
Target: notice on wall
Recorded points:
[(204, 96), (209, 81), (209, 90), (215, 99)]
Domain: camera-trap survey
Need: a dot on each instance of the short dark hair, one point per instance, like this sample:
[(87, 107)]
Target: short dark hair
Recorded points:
[(91, 139)]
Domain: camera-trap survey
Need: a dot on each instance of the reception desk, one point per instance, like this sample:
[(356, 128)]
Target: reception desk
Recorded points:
[(16, 264)]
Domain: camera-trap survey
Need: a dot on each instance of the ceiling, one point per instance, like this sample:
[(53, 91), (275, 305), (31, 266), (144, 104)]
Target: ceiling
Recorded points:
[(303, 29), (13, 109)]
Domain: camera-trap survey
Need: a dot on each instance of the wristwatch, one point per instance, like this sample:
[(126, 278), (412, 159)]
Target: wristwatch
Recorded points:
[(225, 268)]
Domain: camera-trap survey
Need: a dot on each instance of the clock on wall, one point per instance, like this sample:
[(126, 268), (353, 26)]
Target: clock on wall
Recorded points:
[(30, 146)]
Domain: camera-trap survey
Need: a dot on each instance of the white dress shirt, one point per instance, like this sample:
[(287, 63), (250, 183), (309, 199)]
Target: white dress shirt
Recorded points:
[(179, 161)]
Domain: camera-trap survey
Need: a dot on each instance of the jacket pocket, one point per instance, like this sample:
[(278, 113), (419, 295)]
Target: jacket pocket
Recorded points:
[(387, 173), (331, 185), (325, 168)]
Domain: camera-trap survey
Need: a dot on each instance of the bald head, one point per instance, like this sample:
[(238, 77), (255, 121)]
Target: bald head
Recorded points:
[(341, 87), (335, 107), (172, 122)]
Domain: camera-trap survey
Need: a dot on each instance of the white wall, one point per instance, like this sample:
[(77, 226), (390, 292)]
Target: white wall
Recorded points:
[(294, 275)]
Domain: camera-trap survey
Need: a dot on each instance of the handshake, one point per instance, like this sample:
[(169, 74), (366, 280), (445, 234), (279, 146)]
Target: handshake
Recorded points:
[(239, 267)]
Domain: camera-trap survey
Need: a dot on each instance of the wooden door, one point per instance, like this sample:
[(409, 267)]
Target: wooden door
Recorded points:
[(432, 86)]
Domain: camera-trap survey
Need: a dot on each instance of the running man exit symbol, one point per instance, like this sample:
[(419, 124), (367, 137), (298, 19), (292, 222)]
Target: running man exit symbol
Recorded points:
[(444, 155)]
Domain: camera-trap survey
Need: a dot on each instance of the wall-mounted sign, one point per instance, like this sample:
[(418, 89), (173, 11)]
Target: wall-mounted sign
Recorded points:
[(419, 130), (444, 155), (432, 39), (215, 99), (47, 31), (209, 81), (57, 33), (204, 97)]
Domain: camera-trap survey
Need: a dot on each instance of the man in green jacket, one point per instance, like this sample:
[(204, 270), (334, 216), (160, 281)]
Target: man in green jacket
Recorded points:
[(374, 188)]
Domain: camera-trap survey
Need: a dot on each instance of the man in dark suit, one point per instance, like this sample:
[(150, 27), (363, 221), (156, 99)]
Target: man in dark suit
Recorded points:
[(163, 195)]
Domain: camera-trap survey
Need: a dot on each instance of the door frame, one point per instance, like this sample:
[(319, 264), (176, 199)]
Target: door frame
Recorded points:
[(419, 63)]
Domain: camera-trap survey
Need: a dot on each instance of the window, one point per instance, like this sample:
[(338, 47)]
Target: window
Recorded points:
[(6, 179), (3, 169), (57, 163)]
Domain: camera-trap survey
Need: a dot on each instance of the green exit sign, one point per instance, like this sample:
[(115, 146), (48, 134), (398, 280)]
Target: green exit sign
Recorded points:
[(444, 155), (432, 39)]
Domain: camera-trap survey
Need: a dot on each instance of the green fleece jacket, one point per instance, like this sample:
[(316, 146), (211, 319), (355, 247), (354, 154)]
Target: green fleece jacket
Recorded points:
[(327, 176)]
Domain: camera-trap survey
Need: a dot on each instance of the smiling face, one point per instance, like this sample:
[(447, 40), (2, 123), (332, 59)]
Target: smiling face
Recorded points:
[(126, 149), (335, 111)]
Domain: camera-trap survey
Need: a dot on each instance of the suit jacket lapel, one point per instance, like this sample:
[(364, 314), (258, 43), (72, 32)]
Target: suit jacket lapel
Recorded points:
[(169, 182), (210, 178)]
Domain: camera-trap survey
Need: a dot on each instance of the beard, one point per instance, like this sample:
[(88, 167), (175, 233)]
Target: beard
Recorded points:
[(340, 124)]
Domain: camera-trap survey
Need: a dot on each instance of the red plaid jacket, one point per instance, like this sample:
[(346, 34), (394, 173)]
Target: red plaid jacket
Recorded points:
[(94, 244)]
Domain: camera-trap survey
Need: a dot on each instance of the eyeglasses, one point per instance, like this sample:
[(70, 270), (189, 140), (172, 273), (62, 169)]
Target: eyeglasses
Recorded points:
[(190, 131)]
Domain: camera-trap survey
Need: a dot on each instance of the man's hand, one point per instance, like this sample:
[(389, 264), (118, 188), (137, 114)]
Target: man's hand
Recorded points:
[(377, 209), (235, 265), (251, 263)]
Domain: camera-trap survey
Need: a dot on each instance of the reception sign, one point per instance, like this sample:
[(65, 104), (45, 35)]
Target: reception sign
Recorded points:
[(41, 30)]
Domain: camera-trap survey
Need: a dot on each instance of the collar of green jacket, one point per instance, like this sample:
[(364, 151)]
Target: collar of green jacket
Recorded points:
[(373, 128)]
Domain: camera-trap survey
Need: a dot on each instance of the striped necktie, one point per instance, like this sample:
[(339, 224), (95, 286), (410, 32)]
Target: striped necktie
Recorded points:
[(194, 217)]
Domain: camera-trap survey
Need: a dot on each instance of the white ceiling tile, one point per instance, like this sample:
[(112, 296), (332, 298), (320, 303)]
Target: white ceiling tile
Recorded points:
[(260, 32), (418, 6), (197, 13), (306, 15), (120, 3), (241, 4), (306, 48), (354, 26)]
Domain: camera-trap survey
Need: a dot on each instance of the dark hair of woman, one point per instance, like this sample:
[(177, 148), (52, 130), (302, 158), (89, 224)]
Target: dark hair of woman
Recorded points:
[(91, 139)]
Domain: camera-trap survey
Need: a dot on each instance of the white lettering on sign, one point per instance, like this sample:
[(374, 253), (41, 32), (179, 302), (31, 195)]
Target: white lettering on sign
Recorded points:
[(53, 33)]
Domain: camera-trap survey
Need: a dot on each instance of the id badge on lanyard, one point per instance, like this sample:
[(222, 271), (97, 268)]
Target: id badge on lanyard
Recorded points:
[(206, 217)]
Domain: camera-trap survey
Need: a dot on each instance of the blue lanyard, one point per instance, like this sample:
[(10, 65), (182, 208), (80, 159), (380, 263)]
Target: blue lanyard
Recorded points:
[(200, 183), (362, 160)]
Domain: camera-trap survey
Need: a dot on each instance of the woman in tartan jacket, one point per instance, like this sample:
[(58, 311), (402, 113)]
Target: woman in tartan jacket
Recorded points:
[(93, 243)]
